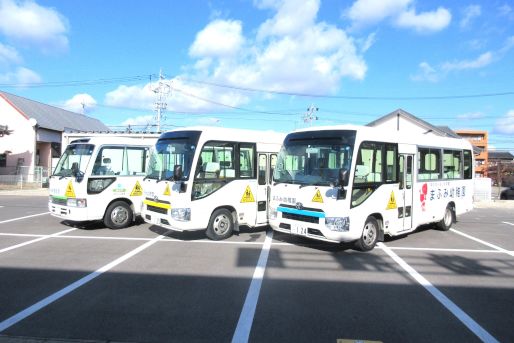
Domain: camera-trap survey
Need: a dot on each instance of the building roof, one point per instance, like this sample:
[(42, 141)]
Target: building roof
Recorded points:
[(51, 117), (501, 155), (438, 130)]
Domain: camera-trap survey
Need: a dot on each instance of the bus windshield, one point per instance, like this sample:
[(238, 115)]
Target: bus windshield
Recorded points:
[(171, 150), (314, 158), (74, 160)]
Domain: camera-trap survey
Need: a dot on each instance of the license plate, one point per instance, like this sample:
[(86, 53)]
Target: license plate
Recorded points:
[(298, 230)]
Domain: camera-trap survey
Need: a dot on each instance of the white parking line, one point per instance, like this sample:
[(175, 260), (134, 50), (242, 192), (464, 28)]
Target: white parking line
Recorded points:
[(35, 240), (445, 301), (20, 218), (508, 223), (448, 250), (244, 324), (495, 247), (59, 294)]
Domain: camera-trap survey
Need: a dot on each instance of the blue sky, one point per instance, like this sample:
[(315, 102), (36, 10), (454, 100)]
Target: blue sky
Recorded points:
[(261, 63)]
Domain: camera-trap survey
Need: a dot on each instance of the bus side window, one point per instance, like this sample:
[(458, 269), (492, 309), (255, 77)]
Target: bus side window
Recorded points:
[(247, 160)]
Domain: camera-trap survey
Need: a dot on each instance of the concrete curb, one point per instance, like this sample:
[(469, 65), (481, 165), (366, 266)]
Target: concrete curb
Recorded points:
[(26, 192), (494, 204)]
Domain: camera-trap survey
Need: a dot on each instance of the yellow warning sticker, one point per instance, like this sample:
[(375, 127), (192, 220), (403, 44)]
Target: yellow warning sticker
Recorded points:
[(247, 195), (391, 205), (137, 190), (70, 193), (317, 197), (167, 190)]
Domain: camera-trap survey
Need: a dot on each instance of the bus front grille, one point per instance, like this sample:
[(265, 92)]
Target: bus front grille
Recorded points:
[(59, 201), (300, 217), (157, 209)]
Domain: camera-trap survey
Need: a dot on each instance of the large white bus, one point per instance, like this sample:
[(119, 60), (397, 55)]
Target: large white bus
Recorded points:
[(356, 184), (210, 178), (100, 178)]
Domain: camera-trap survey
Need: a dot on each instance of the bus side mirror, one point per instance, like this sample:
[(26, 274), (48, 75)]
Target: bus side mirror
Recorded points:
[(343, 178), (177, 172)]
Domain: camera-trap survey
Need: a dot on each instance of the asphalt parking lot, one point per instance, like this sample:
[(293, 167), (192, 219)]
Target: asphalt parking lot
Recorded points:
[(60, 282)]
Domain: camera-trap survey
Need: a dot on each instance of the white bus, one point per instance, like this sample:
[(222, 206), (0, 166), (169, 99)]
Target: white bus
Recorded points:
[(210, 178), (356, 184), (100, 178)]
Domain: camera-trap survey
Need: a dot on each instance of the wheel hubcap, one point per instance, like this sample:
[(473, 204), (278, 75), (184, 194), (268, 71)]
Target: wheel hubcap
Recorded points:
[(369, 234), (119, 215), (221, 224)]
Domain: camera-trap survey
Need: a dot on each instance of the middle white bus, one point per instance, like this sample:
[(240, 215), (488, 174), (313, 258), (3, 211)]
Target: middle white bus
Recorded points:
[(210, 178)]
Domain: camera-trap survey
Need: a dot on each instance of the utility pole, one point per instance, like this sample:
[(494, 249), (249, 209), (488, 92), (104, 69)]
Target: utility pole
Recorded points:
[(162, 90), (309, 116)]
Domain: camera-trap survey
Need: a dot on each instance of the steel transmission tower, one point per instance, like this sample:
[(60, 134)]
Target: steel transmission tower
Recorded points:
[(162, 90), (309, 117)]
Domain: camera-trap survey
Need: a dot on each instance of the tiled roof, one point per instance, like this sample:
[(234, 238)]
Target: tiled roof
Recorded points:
[(53, 118)]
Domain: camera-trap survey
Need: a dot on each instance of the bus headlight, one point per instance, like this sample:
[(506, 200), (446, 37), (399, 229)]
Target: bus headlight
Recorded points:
[(72, 202), (181, 214), (273, 213), (341, 224)]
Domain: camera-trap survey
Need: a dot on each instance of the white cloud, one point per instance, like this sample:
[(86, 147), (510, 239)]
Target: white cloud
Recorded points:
[(368, 43), (426, 73), (480, 62), (219, 38), (139, 97), (367, 12), (291, 51), (290, 19), (9, 55), (470, 116), (470, 12), (20, 77), (81, 103), (32, 24), (430, 73), (401, 13), (426, 22), (138, 121), (505, 125)]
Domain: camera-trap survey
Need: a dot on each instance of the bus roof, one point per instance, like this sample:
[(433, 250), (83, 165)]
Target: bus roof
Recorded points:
[(238, 135), (366, 133), (146, 141)]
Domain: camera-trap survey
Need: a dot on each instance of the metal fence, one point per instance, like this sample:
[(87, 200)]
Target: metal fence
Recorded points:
[(24, 177)]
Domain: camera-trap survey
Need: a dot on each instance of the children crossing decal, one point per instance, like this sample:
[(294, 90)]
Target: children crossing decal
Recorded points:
[(317, 197), (70, 193), (137, 190), (167, 190), (391, 205), (247, 195)]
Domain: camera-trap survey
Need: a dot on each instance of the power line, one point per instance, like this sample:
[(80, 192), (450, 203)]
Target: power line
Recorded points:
[(76, 83), (229, 106), (348, 97)]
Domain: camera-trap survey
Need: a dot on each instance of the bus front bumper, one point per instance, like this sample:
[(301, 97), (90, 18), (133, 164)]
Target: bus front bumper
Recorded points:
[(317, 231), (69, 213)]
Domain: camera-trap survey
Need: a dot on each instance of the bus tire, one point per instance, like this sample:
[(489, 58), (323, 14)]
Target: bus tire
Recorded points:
[(221, 225), (369, 237), (118, 215), (446, 223)]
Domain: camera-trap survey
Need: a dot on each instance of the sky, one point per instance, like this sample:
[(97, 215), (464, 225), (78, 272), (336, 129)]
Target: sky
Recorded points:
[(265, 64)]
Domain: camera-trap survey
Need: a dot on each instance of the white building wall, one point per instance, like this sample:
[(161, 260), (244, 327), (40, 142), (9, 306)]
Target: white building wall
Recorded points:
[(21, 142), (405, 126)]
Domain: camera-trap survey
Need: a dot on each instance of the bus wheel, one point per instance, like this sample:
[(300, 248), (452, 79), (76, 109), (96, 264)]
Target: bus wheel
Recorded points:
[(118, 215), (446, 223), (220, 225), (369, 235)]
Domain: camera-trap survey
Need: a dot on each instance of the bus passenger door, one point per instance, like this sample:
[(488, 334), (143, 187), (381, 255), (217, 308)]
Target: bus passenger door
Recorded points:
[(266, 166), (406, 191)]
